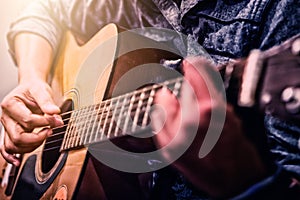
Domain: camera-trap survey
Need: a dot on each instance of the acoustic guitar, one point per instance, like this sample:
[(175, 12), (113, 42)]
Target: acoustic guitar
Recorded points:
[(106, 88)]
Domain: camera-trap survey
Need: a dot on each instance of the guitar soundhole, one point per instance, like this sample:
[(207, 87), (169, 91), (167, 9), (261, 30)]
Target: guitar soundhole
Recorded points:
[(51, 151)]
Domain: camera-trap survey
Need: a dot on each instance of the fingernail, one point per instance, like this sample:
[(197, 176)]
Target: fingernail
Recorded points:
[(58, 120), (16, 163), (49, 132)]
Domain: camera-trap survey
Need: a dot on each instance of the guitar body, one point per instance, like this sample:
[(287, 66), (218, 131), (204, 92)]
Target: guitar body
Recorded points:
[(82, 76)]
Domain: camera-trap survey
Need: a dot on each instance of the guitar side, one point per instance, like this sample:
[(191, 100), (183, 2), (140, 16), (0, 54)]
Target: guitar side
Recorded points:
[(77, 84), (67, 84)]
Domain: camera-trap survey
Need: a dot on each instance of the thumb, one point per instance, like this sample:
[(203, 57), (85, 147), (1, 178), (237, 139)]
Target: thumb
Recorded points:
[(44, 99)]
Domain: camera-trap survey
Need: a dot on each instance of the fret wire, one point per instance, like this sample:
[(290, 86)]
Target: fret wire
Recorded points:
[(93, 133), (107, 116), (113, 117), (119, 123), (99, 128), (80, 118), (93, 124), (107, 109), (67, 133), (83, 132), (77, 119), (125, 116), (148, 107), (76, 128), (79, 123), (132, 99), (120, 115), (73, 129), (89, 123), (148, 88), (108, 120), (137, 112), (70, 130), (137, 92), (70, 133), (65, 140), (74, 133)]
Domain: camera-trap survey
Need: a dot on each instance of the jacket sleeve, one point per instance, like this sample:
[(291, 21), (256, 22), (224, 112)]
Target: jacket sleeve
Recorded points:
[(281, 21), (50, 18)]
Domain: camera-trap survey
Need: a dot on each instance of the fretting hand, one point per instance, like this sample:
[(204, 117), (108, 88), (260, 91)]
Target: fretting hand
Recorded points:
[(233, 164)]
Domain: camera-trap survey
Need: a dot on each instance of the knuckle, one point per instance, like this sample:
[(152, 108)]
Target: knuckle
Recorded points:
[(10, 148), (2, 119), (27, 122), (4, 104), (15, 141)]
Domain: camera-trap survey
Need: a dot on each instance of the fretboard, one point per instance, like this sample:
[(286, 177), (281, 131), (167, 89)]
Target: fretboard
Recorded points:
[(127, 114)]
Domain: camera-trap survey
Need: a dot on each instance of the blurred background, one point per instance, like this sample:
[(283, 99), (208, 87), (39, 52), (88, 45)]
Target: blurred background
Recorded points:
[(8, 72)]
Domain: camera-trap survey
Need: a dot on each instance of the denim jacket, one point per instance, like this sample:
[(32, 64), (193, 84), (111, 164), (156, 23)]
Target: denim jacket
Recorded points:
[(226, 29)]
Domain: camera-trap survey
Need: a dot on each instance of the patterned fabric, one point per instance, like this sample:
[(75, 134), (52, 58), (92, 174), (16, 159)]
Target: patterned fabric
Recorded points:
[(227, 29), (284, 140)]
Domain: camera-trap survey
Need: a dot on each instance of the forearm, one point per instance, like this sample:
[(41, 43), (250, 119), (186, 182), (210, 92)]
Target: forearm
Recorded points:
[(33, 56), (50, 19)]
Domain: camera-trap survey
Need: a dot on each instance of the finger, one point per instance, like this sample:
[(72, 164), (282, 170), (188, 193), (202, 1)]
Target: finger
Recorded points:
[(164, 117), (199, 72), (17, 140), (54, 120), (21, 148), (10, 158), (18, 111), (157, 120), (206, 83), (189, 104), (166, 101), (45, 100), (194, 77)]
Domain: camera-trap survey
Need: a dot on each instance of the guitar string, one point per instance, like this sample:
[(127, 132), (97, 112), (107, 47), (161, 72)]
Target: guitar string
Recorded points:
[(147, 88), (81, 144), (91, 134), (110, 105), (111, 108), (109, 121), (104, 111), (109, 117), (132, 113), (101, 111)]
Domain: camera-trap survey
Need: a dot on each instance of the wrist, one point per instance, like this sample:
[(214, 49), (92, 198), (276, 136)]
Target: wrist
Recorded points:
[(31, 79), (31, 74)]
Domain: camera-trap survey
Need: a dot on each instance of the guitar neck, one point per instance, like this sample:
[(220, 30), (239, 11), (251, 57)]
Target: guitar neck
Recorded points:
[(127, 114)]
